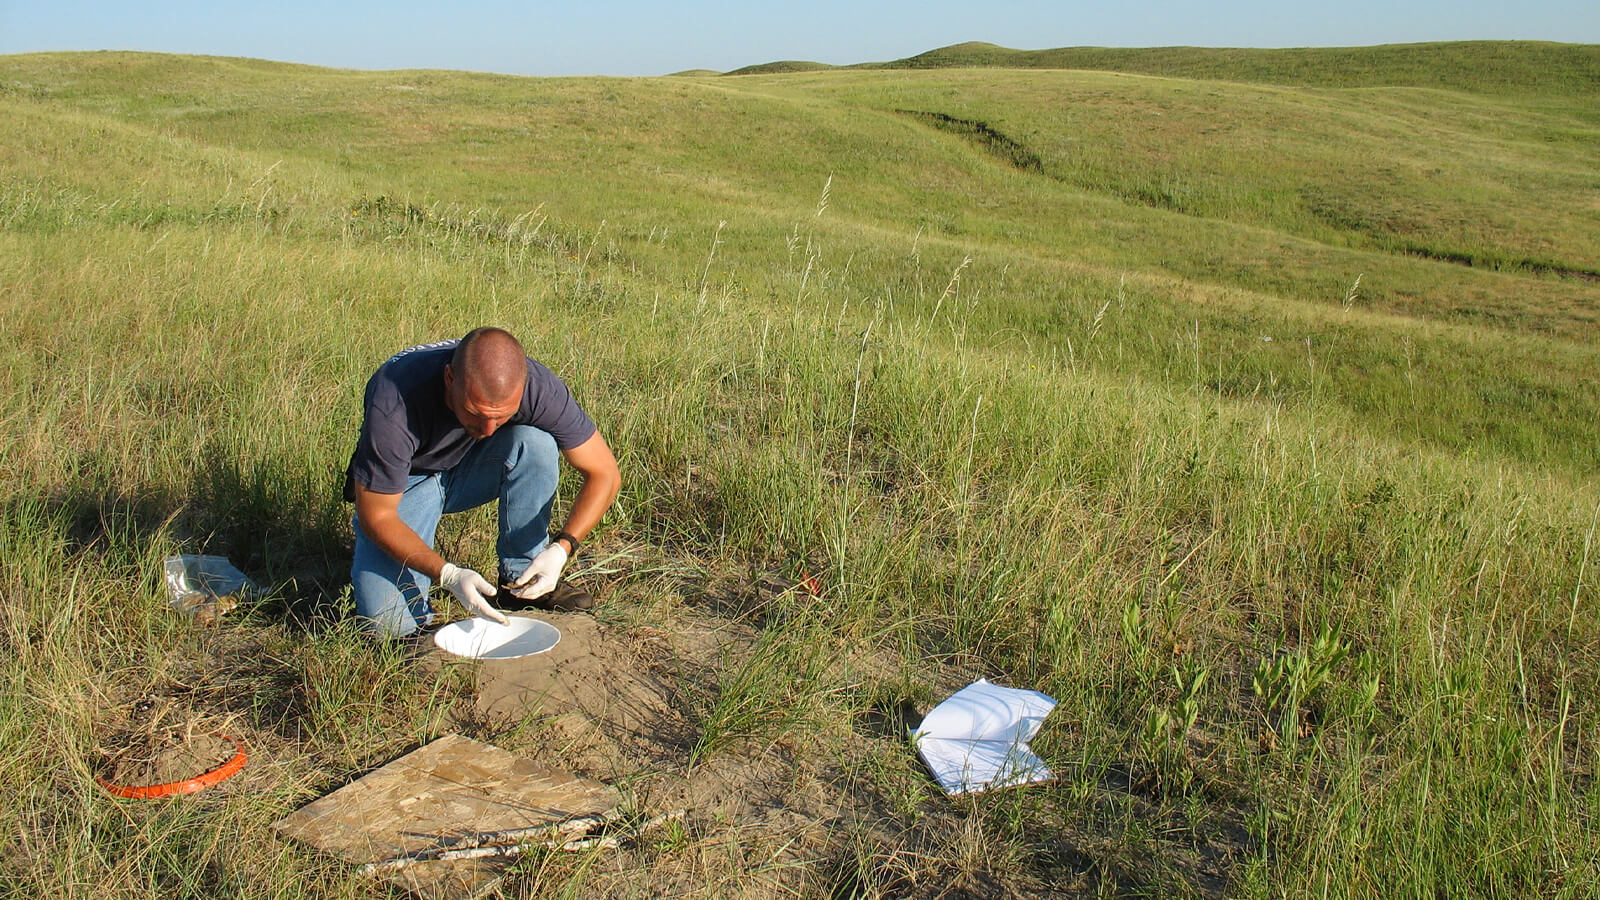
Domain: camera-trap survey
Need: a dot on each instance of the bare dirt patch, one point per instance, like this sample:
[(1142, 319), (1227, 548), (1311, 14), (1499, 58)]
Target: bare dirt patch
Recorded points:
[(157, 741)]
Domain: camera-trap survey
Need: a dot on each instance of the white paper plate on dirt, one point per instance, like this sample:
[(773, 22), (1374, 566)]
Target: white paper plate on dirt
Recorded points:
[(477, 638)]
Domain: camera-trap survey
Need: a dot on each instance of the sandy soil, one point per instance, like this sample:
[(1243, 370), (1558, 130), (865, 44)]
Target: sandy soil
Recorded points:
[(619, 704), (152, 743)]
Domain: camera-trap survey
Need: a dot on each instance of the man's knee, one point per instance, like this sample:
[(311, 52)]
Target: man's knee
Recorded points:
[(532, 447), (386, 609)]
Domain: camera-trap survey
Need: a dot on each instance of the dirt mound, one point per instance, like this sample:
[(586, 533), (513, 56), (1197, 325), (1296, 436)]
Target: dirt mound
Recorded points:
[(154, 741), (626, 703)]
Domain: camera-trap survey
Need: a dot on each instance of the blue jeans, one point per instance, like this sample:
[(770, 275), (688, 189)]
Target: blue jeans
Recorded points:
[(517, 465)]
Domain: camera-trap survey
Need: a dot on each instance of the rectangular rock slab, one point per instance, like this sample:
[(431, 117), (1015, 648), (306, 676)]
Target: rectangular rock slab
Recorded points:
[(433, 796)]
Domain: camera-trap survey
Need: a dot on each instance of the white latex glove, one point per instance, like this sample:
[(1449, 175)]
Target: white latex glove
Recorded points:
[(472, 591), (541, 575)]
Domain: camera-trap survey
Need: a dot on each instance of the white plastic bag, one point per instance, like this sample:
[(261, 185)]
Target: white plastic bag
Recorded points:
[(978, 738)]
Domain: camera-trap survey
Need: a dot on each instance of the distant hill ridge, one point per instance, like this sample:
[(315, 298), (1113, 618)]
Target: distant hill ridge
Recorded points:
[(1499, 67)]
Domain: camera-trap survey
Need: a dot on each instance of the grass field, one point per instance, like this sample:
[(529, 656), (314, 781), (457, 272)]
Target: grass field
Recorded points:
[(1243, 403)]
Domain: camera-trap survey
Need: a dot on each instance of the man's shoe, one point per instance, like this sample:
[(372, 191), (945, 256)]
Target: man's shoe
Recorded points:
[(565, 598)]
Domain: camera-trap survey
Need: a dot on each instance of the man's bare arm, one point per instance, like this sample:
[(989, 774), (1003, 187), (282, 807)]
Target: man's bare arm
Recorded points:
[(601, 481), (379, 516)]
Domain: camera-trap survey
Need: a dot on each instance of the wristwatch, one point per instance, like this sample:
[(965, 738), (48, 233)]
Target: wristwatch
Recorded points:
[(570, 539)]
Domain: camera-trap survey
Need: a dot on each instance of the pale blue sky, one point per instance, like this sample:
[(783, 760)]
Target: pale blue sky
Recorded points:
[(614, 37)]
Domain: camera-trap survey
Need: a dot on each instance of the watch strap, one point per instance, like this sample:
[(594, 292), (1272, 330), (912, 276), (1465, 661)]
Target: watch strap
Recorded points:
[(571, 538)]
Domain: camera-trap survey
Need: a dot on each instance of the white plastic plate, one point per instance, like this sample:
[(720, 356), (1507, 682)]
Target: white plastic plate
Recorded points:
[(477, 638)]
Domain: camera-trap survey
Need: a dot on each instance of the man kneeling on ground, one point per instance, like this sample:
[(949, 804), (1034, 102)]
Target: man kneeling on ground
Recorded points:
[(450, 426)]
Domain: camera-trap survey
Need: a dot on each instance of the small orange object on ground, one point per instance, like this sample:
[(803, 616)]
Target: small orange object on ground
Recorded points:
[(187, 786)]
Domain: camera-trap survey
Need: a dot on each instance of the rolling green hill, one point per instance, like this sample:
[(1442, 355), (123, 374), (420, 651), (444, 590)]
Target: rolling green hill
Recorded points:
[(780, 67), (1243, 401), (1496, 67), (1513, 68), (1471, 219)]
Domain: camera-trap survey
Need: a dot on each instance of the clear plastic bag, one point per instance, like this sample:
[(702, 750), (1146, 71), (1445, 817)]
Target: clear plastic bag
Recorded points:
[(205, 588)]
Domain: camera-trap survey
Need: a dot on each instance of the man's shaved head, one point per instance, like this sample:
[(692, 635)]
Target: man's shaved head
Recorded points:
[(490, 363)]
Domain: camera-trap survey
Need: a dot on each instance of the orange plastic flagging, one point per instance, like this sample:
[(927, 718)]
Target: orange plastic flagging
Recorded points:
[(173, 788)]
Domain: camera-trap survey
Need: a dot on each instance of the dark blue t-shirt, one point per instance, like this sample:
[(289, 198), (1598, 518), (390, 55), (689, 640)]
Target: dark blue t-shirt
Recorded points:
[(406, 428)]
